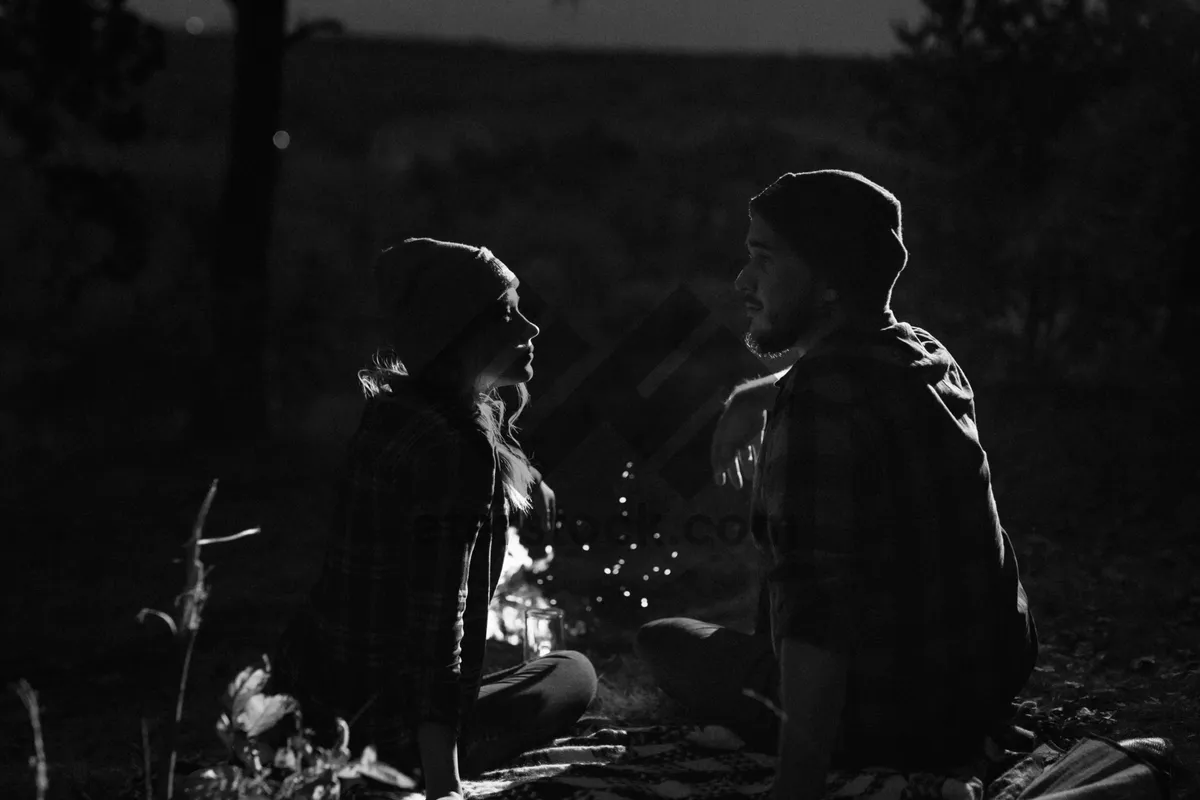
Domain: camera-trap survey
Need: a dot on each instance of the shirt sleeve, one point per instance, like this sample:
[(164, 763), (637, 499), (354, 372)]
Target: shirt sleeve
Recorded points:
[(822, 535), (486, 562), (452, 494)]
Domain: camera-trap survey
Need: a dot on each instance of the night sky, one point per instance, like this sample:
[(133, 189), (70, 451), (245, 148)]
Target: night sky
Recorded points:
[(842, 26)]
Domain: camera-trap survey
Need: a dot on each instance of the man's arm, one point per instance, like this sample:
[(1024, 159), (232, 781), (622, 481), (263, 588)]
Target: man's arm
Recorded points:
[(823, 541), (813, 694), (736, 438), (758, 384)]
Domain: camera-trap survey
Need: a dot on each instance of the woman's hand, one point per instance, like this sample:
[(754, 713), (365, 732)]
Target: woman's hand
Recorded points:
[(737, 441), (545, 509), (438, 745)]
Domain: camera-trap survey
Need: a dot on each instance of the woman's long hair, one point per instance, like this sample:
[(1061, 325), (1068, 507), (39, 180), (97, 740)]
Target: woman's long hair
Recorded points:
[(488, 410)]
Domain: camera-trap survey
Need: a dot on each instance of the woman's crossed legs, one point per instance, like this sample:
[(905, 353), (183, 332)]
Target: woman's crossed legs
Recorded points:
[(525, 706)]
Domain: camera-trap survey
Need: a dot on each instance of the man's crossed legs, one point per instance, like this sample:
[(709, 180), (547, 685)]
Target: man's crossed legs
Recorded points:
[(705, 668)]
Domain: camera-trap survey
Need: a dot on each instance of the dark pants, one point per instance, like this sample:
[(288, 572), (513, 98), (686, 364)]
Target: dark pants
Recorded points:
[(525, 706), (704, 667)]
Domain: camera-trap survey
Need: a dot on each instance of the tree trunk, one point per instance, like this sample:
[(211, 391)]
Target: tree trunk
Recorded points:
[(1183, 323), (1033, 321), (233, 404)]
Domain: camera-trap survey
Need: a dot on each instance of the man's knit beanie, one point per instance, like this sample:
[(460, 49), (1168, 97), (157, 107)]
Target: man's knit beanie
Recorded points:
[(847, 227)]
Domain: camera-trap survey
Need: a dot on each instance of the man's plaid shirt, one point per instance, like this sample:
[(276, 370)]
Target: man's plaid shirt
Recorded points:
[(883, 542), (392, 634)]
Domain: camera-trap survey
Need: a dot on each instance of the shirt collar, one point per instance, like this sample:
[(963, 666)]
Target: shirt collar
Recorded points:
[(833, 341)]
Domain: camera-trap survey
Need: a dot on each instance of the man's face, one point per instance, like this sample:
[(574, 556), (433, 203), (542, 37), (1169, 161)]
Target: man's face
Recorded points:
[(780, 291)]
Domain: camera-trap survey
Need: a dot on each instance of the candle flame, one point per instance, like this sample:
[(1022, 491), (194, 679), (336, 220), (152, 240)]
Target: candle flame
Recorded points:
[(516, 591)]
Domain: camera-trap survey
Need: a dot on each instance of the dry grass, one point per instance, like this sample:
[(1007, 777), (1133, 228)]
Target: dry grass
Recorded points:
[(628, 696)]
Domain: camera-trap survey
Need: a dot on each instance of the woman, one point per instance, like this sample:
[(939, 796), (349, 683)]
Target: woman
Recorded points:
[(392, 636)]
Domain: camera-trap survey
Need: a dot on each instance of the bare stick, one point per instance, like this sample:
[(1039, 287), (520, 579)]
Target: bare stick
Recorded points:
[(146, 759), (29, 699), (190, 604), (183, 676), (232, 538), (766, 701)]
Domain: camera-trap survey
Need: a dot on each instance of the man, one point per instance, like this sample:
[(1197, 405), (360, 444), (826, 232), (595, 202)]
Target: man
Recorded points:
[(893, 626)]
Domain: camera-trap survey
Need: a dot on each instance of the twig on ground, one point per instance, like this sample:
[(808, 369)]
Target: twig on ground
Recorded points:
[(766, 701), (38, 761), (146, 759)]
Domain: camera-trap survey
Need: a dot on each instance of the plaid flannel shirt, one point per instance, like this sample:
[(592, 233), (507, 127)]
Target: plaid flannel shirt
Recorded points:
[(392, 634), (883, 543)]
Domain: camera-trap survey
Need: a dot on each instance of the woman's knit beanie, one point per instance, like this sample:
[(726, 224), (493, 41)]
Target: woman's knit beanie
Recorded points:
[(430, 292)]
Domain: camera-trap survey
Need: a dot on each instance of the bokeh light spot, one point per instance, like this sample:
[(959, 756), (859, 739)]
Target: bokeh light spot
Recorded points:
[(194, 26), (281, 139)]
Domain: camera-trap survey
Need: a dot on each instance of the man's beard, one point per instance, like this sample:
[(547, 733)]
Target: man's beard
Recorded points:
[(776, 341)]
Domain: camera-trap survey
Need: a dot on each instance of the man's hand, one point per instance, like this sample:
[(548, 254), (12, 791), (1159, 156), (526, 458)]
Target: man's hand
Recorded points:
[(737, 441)]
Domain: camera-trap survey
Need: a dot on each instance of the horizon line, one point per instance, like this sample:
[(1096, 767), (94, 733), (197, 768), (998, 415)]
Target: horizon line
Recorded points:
[(564, 48)]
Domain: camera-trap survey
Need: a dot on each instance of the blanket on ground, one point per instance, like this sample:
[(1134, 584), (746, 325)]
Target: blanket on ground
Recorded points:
[(709, 762)]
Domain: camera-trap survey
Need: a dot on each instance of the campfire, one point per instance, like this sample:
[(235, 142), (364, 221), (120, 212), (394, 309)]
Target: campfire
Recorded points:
[(517, 592)]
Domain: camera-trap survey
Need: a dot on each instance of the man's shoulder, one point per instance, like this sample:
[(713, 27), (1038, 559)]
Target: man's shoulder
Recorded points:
[(843, 378), (856, 366)]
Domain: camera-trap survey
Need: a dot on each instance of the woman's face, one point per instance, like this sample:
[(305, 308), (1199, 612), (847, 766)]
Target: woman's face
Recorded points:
[(506, 343)]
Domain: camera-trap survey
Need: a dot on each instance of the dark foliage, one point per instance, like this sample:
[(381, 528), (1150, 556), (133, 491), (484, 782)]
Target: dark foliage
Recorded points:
[(67, 62), (1072, 128)]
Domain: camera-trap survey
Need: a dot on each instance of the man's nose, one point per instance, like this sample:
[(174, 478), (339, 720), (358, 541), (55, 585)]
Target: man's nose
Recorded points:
[(742, 282)]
